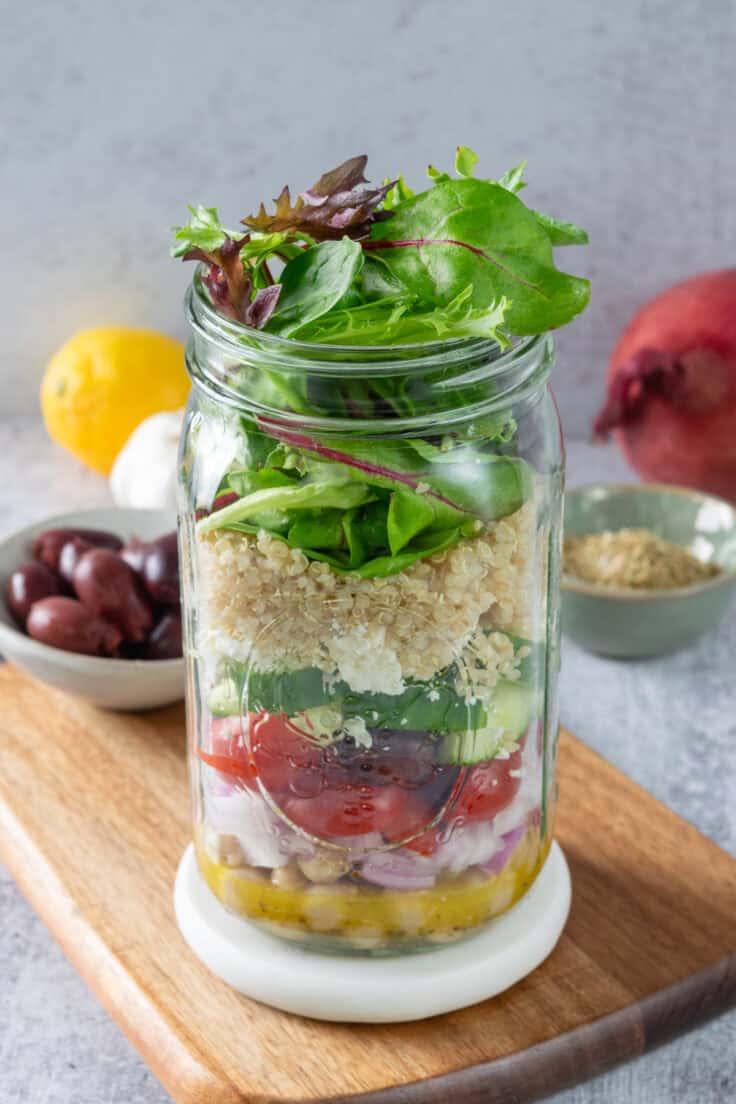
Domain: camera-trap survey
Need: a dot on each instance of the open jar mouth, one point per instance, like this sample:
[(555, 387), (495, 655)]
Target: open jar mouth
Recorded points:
[(459, 379)]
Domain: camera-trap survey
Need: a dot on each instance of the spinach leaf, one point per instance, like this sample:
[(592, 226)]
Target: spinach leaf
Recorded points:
[(317, 529), (296, 496), (486, 485), (277, 390), (478, 484), (243, 483), (427, 544), (314, 282), (475, 233), (560, 232), (408, 514), (366, 531), (258, 450), (460, 451)]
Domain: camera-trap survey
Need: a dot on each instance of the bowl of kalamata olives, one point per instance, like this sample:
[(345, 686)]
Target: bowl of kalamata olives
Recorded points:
[(90, 604)]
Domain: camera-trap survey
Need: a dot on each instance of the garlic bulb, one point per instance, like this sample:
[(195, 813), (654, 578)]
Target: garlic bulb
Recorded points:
[(145, 472)]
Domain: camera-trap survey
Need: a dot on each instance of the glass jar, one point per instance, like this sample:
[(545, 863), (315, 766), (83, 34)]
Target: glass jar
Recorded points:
[(370, 563)]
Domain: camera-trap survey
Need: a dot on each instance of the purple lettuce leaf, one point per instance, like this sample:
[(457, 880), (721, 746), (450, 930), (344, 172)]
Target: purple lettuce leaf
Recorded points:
[(335, 206)]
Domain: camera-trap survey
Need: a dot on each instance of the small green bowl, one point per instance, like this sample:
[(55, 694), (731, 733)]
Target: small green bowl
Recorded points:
[(629, 623)]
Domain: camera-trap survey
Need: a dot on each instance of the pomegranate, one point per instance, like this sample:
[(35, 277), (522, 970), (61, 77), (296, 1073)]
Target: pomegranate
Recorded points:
[(671, 400)]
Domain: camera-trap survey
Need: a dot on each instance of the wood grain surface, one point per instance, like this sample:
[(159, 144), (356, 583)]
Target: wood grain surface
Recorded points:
[(94, 816)]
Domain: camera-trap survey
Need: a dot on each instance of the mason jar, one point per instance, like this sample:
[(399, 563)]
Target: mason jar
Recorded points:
[(370, 545)]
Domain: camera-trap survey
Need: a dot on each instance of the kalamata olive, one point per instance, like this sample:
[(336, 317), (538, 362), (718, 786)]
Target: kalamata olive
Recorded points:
[(161, 569), (157, 563), (28, 584), (66, 623), (134, 554), (70, 555), (165, 640), (110, 589), (48, 545)]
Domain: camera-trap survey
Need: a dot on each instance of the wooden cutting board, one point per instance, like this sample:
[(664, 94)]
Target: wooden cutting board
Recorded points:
[(94, 816)]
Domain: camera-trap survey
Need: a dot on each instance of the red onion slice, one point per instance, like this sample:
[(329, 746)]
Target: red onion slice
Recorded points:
[(499, 860)]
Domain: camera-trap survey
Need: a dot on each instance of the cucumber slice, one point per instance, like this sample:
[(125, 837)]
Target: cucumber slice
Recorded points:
[(224, 698), (508, 717), (510, 708)]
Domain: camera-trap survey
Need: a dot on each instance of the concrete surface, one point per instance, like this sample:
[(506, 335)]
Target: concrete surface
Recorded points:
[(115, 116), (669, 723)]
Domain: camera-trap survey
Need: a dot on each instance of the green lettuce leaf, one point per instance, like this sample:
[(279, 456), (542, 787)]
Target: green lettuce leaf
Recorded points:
[(396, 320), (512, 180), (314, 282), (475, 233), (299, 496), (408, 514), (558, 231), (317, 529), (471, 483), (465, 161)]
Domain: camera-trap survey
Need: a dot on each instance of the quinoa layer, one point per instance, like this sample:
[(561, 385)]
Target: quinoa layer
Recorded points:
[(268, 605)]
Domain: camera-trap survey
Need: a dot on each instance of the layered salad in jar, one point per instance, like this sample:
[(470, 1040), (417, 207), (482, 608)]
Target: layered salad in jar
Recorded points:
[(369, 557)]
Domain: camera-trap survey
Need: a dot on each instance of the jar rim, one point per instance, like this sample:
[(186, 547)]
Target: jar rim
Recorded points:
[(443, 369), (329, 359)]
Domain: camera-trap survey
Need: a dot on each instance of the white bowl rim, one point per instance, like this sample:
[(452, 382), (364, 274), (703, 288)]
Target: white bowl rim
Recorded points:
[(641, 594)]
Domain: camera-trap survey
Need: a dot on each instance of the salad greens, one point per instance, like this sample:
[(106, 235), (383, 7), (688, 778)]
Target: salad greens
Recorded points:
[(346, 263), (369, 506), (370, 266)]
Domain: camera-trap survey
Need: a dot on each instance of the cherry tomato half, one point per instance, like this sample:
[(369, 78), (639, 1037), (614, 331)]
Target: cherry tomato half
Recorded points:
[(408, 819), (227, 752), (284, 758), (355, 810), (488, 788)]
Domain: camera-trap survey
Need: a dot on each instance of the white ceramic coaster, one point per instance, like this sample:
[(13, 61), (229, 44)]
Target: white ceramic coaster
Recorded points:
[(374, 990)]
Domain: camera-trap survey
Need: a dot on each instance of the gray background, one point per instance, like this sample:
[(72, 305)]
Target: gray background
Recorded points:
[(118, 115), (114, 116)]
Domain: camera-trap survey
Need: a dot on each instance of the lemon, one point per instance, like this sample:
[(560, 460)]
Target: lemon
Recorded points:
[(103, 383)]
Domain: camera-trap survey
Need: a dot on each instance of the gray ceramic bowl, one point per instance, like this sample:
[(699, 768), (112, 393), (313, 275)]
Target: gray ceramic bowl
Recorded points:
[(111, 683), (635, 623)]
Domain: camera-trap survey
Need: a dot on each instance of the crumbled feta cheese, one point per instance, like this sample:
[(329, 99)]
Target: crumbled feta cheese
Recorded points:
[(355, 728), (434, 695), (329, 681), (366, 662), (422, 488)]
